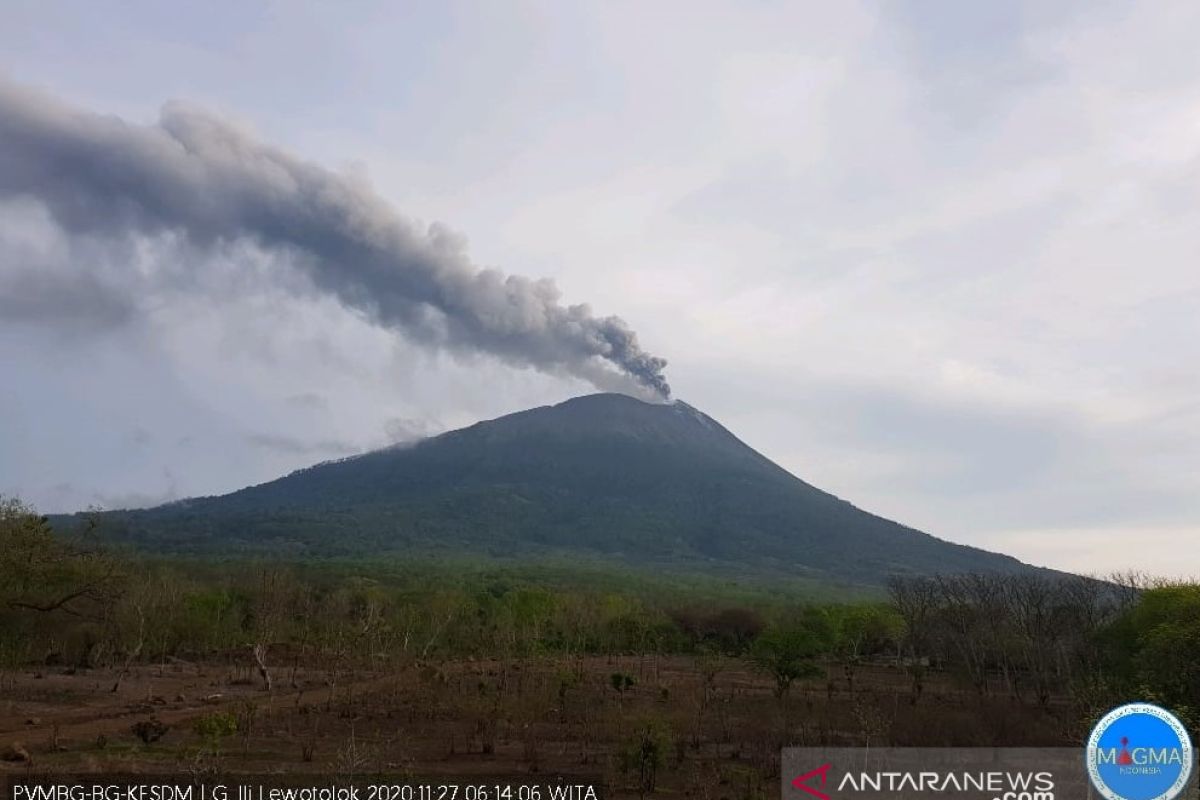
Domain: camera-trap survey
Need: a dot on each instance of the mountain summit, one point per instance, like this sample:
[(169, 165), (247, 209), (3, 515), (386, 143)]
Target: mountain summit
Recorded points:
[(603, 475)]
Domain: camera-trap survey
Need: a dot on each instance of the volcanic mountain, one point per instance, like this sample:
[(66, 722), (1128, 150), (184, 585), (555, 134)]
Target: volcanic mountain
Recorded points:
[(603, 476)]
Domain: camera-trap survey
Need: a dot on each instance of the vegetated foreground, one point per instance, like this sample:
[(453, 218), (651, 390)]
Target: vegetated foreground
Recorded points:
[(703, 726), (117, 664)]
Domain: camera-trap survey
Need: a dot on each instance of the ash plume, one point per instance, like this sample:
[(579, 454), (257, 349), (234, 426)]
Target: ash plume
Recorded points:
[(195, 176)]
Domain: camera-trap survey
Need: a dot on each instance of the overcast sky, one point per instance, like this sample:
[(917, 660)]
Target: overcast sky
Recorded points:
[(941, 259)]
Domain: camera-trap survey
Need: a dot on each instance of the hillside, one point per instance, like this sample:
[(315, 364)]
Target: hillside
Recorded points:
[(603, 476)]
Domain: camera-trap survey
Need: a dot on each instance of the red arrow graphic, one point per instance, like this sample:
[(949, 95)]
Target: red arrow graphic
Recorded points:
[(799, 781)]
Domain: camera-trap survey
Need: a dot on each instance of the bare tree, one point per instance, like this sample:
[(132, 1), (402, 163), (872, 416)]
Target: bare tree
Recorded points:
[(271, 606), (916, 600)]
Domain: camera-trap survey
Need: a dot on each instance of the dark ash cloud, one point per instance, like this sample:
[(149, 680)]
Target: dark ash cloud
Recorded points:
[(195, 177)]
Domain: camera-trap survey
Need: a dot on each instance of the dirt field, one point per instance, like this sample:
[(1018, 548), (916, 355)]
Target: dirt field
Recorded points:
[(704, 729)]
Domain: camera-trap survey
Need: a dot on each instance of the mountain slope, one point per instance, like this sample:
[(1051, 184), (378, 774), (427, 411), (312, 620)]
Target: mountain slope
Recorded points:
[(602, 475)]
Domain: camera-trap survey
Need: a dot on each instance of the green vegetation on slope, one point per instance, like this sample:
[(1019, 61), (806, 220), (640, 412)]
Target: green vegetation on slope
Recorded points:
[(602, 477)]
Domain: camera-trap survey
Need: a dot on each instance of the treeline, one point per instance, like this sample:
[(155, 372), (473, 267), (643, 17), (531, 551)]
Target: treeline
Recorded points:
[(74, 603), (1038, 638)]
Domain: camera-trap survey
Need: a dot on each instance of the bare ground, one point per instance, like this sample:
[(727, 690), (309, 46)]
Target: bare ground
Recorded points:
[(710, 739)]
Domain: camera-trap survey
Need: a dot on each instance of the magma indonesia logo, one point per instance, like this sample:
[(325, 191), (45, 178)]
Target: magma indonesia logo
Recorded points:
[(1139, 752)]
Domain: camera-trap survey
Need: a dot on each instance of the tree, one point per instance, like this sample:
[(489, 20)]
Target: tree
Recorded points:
[(915, 600), (645, 753), (271, 606), (44, 573), (788, 651), (1166, 650), (862, 630)]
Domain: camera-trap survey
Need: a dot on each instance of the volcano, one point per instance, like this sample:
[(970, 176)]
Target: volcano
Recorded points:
[(602, 476)]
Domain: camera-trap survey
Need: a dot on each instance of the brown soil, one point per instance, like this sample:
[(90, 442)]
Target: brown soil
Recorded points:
[(484, 718)]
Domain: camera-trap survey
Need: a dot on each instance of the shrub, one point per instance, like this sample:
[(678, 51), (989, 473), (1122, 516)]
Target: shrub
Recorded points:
[(216, 726)]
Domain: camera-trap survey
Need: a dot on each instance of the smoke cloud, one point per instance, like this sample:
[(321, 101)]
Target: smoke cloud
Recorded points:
[(195, 176)]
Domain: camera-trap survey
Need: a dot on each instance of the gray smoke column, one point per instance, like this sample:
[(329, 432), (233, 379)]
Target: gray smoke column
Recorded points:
[(196, 176)]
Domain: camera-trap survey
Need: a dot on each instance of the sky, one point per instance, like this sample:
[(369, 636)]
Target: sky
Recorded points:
[(940, 259)]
